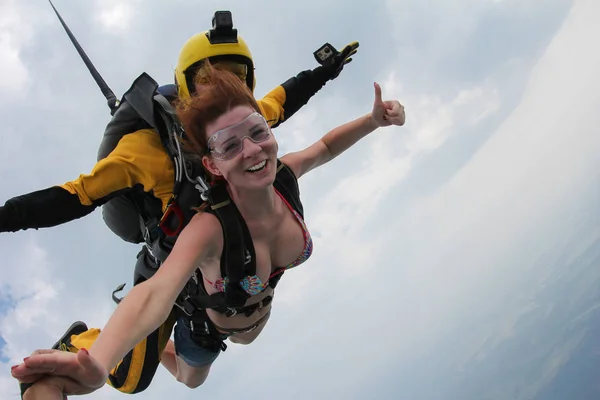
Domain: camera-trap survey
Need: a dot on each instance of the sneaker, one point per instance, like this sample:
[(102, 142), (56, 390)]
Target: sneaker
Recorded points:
[(63, 344)]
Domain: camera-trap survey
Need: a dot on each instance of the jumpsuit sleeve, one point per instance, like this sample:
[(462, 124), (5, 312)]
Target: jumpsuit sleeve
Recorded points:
[(134, 161), (289, 97)]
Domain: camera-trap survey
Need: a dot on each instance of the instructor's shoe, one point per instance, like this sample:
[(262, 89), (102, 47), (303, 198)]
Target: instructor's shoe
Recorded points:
[(63, 344)]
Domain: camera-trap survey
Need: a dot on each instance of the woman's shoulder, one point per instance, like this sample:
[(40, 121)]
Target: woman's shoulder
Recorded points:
[(204, 223), (204, 230)]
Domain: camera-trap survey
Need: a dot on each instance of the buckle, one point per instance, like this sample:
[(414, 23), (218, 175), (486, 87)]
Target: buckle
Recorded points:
[(188, 306), (151, 253), (230, 312), (205, 325)]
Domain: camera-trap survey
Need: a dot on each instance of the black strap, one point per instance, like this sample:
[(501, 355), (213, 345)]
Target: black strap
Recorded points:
[(287, 184), (171, 132), (204, 333), (238, 258)]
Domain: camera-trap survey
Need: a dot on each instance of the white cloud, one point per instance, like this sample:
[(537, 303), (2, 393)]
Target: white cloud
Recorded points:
[(515, 195), (15, 30), (473, 247), (347, 207), (34, 292), (444, 29), (14, 74), (116, 16)]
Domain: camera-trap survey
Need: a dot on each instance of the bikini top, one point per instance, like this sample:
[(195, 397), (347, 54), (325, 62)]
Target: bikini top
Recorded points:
[(253, 284)]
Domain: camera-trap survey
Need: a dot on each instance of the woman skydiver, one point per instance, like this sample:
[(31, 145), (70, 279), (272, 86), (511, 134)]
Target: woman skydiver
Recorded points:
[(217, 121)]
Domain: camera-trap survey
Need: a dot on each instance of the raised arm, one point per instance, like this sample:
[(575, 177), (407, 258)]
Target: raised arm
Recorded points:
[(286, 99), (340, 139)]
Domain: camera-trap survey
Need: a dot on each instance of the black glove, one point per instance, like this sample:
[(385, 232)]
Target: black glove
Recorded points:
[(300, 88), (332, 60)]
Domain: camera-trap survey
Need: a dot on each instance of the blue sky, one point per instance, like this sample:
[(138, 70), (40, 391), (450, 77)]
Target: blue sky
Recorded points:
[(444, 249)]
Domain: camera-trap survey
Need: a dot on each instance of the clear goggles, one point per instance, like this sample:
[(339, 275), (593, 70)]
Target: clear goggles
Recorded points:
[(228, 143), (240, 70)]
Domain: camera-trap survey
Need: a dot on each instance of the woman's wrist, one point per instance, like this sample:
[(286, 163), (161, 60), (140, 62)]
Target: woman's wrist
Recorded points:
[(371, 123)]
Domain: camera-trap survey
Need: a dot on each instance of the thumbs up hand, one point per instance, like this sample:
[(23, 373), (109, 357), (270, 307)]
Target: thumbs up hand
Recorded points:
[(386, 113)]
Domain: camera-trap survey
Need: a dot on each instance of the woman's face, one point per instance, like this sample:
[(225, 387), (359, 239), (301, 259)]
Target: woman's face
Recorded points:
[(242, 149)]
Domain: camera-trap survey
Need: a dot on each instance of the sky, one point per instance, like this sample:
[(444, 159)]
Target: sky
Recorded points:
[(455, 257)]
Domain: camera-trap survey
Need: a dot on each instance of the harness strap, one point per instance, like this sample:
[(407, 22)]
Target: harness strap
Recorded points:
[(287, 184), (171, 133), (215, 301), (238, 258), (204, 333)]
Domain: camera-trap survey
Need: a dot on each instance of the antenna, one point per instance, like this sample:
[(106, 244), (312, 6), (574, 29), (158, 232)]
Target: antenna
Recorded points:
[(106, 91)]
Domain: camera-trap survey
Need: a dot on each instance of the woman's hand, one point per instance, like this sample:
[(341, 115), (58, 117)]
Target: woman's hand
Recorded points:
[(84, 374), (386, 113)]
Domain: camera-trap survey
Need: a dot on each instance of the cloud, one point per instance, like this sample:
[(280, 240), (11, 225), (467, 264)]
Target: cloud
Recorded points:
[(116, 17), (479, 236), (346, 207), (30, 294), (30, 298), (15, 74), (15, 31), (455, 271)]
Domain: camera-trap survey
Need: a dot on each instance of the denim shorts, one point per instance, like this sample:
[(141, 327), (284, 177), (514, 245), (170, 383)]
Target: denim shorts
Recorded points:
[(188, 350)]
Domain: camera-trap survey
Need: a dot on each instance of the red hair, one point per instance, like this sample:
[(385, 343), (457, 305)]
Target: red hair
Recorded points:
[(221, 91)]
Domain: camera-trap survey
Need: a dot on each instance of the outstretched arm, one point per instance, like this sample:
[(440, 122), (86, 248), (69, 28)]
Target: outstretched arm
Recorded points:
[(138, 159), (41, 209), (143, 310), (340, 139), (149, 304)]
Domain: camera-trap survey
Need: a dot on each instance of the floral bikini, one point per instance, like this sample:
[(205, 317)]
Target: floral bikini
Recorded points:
[(253, 284)]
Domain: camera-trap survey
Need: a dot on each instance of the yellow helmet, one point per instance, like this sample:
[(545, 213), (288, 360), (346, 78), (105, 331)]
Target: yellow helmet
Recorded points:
[(221, 44)]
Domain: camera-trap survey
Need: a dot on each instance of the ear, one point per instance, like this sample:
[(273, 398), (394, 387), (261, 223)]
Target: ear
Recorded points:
[(210, 166)]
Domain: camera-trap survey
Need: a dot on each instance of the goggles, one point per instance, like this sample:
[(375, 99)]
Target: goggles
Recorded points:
[(240, 70), (228, 143)]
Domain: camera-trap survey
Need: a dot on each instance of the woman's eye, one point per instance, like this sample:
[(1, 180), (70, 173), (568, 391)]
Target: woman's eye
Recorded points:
[(258, 134), (230, 147)]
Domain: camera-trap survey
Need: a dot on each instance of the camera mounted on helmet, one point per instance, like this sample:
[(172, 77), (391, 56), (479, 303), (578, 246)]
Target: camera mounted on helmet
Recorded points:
[(222, 29)]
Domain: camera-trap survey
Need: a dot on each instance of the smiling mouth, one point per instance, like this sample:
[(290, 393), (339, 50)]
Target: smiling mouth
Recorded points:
[(257, 167)]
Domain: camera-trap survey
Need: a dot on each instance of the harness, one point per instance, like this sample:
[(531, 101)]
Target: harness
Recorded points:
[(238, 260), (190, 190), (147, 106)]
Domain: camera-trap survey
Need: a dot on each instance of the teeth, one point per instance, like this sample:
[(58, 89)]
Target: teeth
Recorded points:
[(257, 166)]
